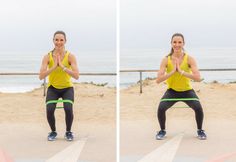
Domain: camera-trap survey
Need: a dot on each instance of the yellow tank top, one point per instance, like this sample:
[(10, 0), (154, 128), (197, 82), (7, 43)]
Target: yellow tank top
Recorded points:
[(59, 78), (177, 81)]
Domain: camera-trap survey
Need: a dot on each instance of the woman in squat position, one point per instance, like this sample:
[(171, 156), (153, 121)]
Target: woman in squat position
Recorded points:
[(60, 65), (177, 69)]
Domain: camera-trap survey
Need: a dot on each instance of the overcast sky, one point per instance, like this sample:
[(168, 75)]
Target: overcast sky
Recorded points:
[(204, 23), (91, 24), (30, 24)]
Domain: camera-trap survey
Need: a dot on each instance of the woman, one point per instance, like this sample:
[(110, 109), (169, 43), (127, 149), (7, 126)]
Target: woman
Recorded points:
[(60, 65), (177, 69)]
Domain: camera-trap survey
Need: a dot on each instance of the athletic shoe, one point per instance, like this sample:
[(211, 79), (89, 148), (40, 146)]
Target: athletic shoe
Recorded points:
[(160, 135), (201, 134), (69, 136), (52, 136)]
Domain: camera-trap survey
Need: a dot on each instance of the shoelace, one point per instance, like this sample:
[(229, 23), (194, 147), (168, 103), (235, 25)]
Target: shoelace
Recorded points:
[(69, 133), (52, 135), (201, 132), (161, 132)]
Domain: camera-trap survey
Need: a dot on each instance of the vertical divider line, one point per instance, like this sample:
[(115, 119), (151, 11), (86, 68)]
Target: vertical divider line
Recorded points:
[(117, 80)]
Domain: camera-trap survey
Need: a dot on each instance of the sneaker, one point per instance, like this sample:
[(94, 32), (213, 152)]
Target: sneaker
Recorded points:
[(69, 136), (201, 134), (160, 135), (52, 136)]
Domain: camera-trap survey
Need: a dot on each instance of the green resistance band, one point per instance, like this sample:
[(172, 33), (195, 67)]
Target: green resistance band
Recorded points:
[(57, 101), (180, 99)]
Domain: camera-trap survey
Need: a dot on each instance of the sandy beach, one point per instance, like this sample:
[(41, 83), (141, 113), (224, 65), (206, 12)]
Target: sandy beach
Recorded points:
[(24, 127), (139, 125)]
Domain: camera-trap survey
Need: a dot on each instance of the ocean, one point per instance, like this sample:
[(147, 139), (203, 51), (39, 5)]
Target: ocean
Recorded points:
[(206, 58), (105, 62), (88, 62)]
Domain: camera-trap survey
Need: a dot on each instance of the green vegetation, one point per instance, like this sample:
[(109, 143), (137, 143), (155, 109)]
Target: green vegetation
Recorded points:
[(96, 84)]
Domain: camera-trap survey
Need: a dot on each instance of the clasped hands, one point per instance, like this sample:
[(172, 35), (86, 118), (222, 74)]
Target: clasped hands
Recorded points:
[(58, 60), (176, 64)]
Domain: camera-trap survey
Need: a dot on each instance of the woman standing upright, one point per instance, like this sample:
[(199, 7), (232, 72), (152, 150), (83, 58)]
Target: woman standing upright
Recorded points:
[(60, 65), (177, 69)]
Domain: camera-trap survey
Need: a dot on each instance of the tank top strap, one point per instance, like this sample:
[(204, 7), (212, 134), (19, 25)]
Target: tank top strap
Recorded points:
[(185, 58)]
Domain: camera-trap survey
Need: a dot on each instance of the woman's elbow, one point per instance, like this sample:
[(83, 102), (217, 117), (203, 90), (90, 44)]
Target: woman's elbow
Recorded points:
[(158, 81), (76, 76), (41, 77), (198, 78)]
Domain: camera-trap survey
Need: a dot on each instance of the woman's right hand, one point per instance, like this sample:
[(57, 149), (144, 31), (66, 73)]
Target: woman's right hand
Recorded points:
[(175, 64), (55, 59)]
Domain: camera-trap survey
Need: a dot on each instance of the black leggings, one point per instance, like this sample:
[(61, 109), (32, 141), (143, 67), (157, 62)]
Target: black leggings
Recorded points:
[(55, 94), (165, 105)]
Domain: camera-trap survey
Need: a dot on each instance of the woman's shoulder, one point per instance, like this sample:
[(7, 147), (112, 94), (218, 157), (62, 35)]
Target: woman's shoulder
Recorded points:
[(71, 56), (190, 59), (164, 60), (166, 57), (46, 56), (189, 56)]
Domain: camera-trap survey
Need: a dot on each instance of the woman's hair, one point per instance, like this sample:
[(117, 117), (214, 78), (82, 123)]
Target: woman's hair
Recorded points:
[(175, 35), (60, 32)]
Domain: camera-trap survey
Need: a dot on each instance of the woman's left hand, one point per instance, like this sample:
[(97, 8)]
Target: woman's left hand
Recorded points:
[(178, 65), (59, 61)]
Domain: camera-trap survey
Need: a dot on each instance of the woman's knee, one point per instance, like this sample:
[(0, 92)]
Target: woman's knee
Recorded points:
[(162, 108), (196, 106), (50, 111), (51, 107), (68, 109)]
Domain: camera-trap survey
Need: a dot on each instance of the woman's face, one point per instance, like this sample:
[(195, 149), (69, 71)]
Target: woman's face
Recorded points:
[(59, 41), (177, 43)]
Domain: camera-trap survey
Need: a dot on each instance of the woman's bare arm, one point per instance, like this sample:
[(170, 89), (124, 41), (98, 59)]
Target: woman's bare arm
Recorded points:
[(74, 72), (44, 72), (162, 75), (195, 75)]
